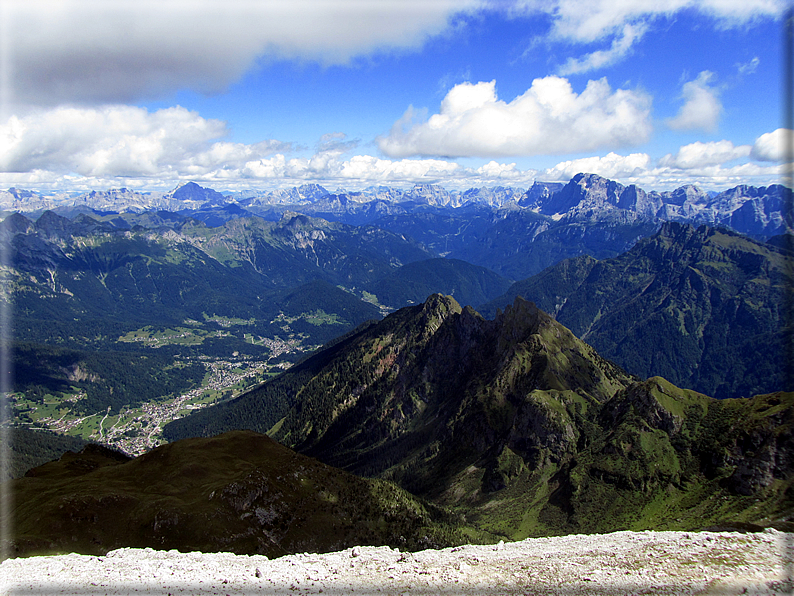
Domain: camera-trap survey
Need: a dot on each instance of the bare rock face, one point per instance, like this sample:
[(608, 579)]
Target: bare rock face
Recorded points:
[(762, 453)]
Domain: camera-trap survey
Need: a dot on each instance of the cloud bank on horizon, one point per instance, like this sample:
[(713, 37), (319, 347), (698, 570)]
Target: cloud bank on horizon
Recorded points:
[(262, 93)]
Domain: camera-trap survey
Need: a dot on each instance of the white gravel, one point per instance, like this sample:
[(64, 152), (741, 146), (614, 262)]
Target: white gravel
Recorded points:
[(674, 563)]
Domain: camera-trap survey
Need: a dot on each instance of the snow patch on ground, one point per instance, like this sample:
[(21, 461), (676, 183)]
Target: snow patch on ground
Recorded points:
[(671, 563)]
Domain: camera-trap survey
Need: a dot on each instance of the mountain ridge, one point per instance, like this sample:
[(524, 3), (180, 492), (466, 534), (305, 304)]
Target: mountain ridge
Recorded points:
[(517, 412), (239, 492), (704, 307), (758, 211)]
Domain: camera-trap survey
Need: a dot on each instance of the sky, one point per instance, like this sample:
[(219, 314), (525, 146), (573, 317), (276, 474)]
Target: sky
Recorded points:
[(260, 94)]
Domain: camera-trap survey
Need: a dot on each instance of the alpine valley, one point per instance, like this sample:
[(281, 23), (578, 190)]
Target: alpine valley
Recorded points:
[(424, 348)]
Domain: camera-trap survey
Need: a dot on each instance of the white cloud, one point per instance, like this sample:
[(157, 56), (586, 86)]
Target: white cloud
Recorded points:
[(716, 177), (366, 170), (748, 67), (121, 141), (116, 50), (699, 155), (122, 50), (773, 146), (712, 166), (611, 166), (277, 171), (549, 118), (625, 21), (500, 171), (598, 59), (702, 107), (638, 169), (71, 148), (586, 21), (78, 145), (367, 167)]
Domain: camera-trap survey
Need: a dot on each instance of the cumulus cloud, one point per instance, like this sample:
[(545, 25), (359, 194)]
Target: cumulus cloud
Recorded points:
[(612, 166), (114, 51), (100, 148), (358, 172), (336, 142), (119, 51), (639, 169), (774, 146), (366, 170), (121, 141), (549, 118), (91, 146), (698, 155), (702, 107)]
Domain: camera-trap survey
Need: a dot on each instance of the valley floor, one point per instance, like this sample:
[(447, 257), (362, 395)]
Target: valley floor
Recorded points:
[(670, 563)]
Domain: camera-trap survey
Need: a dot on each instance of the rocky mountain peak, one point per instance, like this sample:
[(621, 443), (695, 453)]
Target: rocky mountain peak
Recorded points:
[(190, 191), (685, 194), (53, 224), (538, 194), (523, 317), (437, 309), (584, 191), (312, 192), (14, 224)]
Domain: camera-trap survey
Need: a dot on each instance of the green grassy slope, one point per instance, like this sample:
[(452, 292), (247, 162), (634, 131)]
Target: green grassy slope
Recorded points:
[(239, 492), (526, 430)]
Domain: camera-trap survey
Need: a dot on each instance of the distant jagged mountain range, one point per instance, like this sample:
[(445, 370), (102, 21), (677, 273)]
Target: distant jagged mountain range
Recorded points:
[(756, 211)]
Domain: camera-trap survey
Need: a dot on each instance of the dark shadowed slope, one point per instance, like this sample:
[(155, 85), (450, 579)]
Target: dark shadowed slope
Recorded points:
[(239, 492), (702, 307)]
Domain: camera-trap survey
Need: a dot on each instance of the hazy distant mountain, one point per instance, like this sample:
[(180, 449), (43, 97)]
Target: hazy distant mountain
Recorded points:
[(114, 200), (589, 195), (524, 242), (749, 210), (746, 209), (514, 233), (702, 307), (539, 193), (191, 193), (493, 197), (522, 427)]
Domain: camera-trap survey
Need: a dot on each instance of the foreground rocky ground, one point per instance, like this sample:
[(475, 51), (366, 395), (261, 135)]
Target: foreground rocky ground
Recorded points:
[(674, 563)]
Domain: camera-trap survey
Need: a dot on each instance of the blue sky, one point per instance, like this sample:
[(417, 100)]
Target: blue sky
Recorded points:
[(255, 94)]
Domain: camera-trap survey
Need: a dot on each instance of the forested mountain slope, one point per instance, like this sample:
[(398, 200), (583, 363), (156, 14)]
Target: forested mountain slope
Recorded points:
[(705, 308), (523, 427)]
